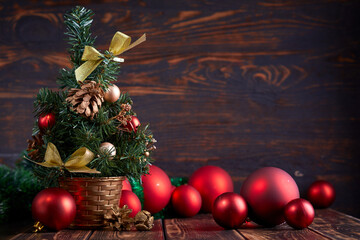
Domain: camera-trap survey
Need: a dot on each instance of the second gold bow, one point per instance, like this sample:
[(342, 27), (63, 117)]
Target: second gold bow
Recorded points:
[(76, 163), (119, 44)]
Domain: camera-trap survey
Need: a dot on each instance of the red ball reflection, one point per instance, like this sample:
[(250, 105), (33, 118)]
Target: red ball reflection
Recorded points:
[(126, 185), (321, 194), (133, 124), (46, 121), (131, 200), (267, 191), (299, 213), (211, 181), (54, 207), (157, 189), (186, 201), (229, 210)]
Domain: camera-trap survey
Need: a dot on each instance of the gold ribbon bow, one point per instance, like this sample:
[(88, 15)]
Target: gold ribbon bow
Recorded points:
[(76, 163), (119, 44)]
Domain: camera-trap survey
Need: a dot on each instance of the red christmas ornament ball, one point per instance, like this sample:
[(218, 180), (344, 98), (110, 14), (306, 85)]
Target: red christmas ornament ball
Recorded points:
[(126, 185), (230, 210), (133, 124), (299, 213), (54, 207), (267, 191), (46, 121), (321, 194), (131, 200), (186, 201), (157, 189), (211, 181)]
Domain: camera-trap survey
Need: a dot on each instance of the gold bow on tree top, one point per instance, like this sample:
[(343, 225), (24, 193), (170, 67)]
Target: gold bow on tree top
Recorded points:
[(76, 163), (119, 44)]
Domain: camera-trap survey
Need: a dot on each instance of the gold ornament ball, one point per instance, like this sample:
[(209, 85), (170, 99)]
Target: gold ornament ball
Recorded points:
[(108, 148), (147, 154), (112, 94)]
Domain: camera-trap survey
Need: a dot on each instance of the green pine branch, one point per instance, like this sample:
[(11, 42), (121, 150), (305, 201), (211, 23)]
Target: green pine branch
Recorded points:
[(73, 131), (18, 187), (78, 23)]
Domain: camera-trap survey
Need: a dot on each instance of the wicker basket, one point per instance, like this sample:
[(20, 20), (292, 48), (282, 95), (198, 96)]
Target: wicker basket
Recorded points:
[(93, 197)]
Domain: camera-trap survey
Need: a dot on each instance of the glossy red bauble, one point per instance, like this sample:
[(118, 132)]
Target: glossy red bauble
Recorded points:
[(133, 124), (230, 210), (46, 121), (126, 185), (299, 213), (54, 207), (211, 181), (157, 189), (131, 200), (321, 194), (267, 191), (186, 201)]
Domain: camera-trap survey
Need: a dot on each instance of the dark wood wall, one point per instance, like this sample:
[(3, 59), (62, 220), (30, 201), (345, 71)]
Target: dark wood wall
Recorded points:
[(238, 84)]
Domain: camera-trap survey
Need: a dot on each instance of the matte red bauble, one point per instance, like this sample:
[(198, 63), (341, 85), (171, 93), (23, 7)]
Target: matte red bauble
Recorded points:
[(299, 213), (126, 185), (172, 188), (157, 189), (54, 207), (131, 200), (267, 191), (186, 201), (230, 210), (112, 94), (211, 181), (46, 121), (321, 194), (133, 124)]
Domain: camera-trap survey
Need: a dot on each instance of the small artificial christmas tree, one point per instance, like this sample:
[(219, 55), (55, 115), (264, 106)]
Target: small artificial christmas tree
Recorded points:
[(88, 128)]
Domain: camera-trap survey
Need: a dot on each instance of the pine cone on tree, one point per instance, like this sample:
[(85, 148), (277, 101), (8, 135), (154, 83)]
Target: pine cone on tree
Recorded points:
[(87, 100), (34, 145)]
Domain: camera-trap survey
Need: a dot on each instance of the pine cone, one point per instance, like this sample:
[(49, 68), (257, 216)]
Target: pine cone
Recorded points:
[(87, 100), (144, 221), (119, 218), (34, 145)]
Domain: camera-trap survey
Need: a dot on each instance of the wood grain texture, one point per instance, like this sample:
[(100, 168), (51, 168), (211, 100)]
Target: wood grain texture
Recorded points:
[(63, 234), (238, 84), (336, 225), (155, 233), (10, 229), (328, 224), (200, 226), (283, 231)]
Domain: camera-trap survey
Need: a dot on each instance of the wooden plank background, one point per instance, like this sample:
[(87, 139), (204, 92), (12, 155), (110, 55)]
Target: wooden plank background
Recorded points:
[(328, 224), (238, 84)]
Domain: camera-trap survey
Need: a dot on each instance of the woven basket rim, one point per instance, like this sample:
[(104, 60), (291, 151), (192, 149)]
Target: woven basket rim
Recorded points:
[(91, 179), (94, 196)]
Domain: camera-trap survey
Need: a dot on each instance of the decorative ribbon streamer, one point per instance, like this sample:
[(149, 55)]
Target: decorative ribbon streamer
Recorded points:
[(119, 44), (76, 163)]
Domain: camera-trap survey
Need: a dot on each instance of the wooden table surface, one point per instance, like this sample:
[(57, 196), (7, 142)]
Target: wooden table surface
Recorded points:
[(328, 224)]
